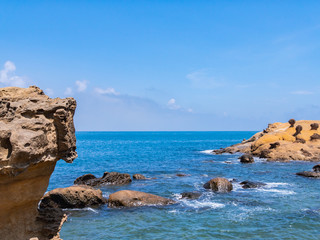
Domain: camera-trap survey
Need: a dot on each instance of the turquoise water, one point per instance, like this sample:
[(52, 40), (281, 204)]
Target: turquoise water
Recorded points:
[(286, 208)]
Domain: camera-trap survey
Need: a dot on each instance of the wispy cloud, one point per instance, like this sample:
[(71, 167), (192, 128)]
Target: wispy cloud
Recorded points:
[(81, 85), (172, 105), (302, 92), (203, 79), (108, 91), (8, 76), (68, 91)]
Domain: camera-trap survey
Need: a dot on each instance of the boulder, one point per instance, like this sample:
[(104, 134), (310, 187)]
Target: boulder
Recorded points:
[(182, 175), (191, 195), (108, 178), (219, 185), (79, 196), (129, 198), (250, 184), (316, 168), (246, 158), (309, 174), (138, 177)]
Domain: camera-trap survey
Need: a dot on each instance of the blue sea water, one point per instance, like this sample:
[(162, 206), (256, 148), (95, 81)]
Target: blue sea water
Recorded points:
[(286, 208)]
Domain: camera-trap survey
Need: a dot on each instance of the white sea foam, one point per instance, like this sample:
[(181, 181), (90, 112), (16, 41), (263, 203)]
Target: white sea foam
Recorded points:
[(207, 151), (82, 209), (279, 191), (202, 204)]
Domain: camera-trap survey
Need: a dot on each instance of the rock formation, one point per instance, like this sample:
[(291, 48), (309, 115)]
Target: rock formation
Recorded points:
[(35, 132), (282, 142), (138, 177), (128, 198), (191, 195), (313, 174), (250, 184), (246, 158), (108, 178), (219, 185)]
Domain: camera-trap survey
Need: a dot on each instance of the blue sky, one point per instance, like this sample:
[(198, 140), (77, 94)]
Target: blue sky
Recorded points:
[(167, 65)]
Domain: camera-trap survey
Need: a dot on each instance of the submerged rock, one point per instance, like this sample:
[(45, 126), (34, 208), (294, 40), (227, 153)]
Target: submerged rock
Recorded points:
[(219, 185), (309, 174), (316, 168), (191, 195), (246, 158), (35, 132), (108, 178), (138, 177), (182, 175), (250, 184), (72, 197), (129, 198)]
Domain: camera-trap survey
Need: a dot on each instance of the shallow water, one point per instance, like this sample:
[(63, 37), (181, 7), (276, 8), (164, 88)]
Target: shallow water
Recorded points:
[(286, 208)]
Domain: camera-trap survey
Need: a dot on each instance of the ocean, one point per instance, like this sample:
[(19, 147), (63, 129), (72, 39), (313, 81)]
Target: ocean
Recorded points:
[(288, 207)]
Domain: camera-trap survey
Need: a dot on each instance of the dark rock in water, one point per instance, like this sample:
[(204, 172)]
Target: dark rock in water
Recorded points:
[(138, 177), (309, 174), (274, 145), (128, 198), (72, 197), (191, 195), (316, 168), (182, 175), (246, 158), (219, 185), (82, 180), (108, 178), (249, 184)]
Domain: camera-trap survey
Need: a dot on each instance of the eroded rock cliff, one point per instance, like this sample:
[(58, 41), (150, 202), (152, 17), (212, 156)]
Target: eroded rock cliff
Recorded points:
[(35, 132), (295, 140)]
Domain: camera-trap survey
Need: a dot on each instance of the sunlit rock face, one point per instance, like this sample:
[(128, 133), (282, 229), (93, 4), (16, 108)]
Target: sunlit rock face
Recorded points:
[(35, 132)]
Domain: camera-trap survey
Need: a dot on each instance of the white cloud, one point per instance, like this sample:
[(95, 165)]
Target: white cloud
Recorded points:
[(172, 104), (8, 77), (302, 93), (68, 91), (49, 92), (81, 85), (108, 91)]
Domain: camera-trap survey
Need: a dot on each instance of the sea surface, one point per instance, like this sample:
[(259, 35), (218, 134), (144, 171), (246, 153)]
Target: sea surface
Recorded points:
[(286, 208)]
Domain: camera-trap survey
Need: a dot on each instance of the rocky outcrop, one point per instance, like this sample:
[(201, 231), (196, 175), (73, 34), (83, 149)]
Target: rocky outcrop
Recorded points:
[(128, 198), (191, 195), (72, 197), (250, 184), (313, 174), (138, 177), (295, 140), (246, 158), (219, 185), (35, 132), (108, 178)]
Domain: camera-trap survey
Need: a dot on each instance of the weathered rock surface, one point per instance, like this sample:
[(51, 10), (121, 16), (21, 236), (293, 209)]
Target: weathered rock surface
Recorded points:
[(35, 132), (191, 195), (72, 197), (219, 185), (138, 177), (246, 158), (281, 142), (250, 184), (108, 178), (316, 168), (128, 198)]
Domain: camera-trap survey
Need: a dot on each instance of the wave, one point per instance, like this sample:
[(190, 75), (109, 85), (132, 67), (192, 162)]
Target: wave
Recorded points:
[(207, 151), (81, 209)]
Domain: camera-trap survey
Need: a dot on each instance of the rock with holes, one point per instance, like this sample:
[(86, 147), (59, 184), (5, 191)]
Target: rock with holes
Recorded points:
[(219, 185), (35, 132), (129, 198), (73, 197)]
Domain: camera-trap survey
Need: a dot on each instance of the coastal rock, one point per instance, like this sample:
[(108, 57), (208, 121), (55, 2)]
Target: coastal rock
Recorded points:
[(182, 175), (250, 184), (246, 158), (219, 185), (138, 177), (309, 174), (191, 195), (316, 168), (108, 178), (72, 197), (282, 142), (128, 198), (35, 132)]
